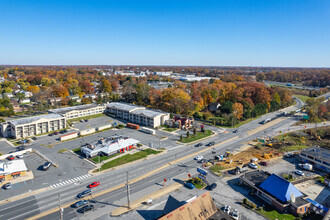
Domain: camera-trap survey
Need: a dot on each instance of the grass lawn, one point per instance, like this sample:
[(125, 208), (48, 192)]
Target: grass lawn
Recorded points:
[(62, 150), (216, 168), (199, 186), (102, 158), (77, 151), (294, 147), (302, 97), (128, 158), (87, 117), (275, 215), (170, 129), (199, 135)]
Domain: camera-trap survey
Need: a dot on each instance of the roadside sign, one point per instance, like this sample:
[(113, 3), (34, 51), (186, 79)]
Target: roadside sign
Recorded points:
[(306, 117), (202, 171)]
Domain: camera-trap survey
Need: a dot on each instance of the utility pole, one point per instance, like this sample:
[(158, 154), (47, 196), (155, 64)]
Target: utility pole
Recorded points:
[(127, 188), (59, 206)]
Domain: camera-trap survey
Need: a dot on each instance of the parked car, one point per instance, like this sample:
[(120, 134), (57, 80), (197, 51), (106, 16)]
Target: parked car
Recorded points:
[(86, 120), (62, 132), (298, 172), (189, 185), (210, 144), (46, 165), (203, 160), (80, 203), (84, 193), (199, 145), (253, 166), (198, 157), (19, 156), (235, 214), (34, 138), (82, 120), (95, 184), (8, 186), (264, 163), (11, 157), (51, 134), (212, 186), (56, 133), (227, 209), (86, 208)]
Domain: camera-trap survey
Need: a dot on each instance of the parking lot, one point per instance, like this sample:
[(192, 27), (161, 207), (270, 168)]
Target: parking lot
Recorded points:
[(5, 148), (95, 122)]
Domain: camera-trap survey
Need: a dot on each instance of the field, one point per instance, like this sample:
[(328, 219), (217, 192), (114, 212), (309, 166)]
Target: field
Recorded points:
[(86, 117), (198, 136)]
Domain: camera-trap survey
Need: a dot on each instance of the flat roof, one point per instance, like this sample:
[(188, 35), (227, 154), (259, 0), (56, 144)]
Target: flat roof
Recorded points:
[(72, 108), (124, 106), (13, 166), (148, 112), (29, 120), (257, 177), (318, 152)]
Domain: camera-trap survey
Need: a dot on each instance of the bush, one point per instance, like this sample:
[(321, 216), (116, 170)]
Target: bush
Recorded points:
[(244, 200), (139, 145)]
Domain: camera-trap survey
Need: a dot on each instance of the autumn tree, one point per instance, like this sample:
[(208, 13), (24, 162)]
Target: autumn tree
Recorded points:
[(105, 86), (238, 110), (33, 89)]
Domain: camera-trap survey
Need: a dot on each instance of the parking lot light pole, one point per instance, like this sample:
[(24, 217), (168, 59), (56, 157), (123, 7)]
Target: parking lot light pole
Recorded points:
[(59, 206)]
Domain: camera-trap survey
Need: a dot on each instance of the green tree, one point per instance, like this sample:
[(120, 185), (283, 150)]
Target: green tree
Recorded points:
[(195, 131), (188, 134)]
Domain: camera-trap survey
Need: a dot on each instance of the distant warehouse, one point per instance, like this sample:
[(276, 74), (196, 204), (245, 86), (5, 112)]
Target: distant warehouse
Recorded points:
[(137, 114), (32, 126)]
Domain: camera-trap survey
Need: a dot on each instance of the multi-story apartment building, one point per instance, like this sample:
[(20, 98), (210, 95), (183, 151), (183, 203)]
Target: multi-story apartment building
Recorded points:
[(137, 114), (79, 111), (31, 126)]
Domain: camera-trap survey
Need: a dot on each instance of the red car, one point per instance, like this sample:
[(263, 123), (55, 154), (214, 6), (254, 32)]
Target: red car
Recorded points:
[(264, 163), (11, 157), (95, 184)]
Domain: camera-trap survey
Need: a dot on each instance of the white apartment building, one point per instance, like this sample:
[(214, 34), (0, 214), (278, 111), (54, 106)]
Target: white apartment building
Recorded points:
[(31, 126), (137, 114), (79, 111)]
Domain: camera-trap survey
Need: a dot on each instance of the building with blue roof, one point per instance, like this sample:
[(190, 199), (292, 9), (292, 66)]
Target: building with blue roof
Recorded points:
[(276, 191)]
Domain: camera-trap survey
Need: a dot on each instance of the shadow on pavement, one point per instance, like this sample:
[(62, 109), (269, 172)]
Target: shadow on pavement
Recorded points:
[(150, 214)]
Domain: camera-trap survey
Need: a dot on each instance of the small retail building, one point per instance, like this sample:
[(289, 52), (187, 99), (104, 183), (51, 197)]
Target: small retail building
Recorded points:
[(109, 146), (317, 156), (276, 191), (12, 169)]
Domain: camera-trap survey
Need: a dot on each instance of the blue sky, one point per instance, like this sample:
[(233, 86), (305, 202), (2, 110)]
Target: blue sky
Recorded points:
[(159, 32)]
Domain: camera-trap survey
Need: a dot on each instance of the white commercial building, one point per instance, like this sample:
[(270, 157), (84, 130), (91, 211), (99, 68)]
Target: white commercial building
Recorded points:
[(79, 110), (137, 114), (31, 126), (108, 146)]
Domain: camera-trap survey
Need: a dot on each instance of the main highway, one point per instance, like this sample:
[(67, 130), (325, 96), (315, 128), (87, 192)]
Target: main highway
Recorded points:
[(49, 200)]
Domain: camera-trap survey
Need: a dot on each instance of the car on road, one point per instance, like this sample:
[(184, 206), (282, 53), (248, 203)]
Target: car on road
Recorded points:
[(264, 163), (19, 156), (80, 203), (86, 208), (253, 166), (235, 131), (214, 151), (7, 186), (199, 145), (212, 186), (95, 184), (34, 138), (235, 214), (198, 158), (227, 209), (210, 144), (11, 157), (46, 165), (189, 185), (84, 193), (298, 172)]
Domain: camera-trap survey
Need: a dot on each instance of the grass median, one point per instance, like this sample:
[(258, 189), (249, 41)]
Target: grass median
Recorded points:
[(128, 158), (198, 136)]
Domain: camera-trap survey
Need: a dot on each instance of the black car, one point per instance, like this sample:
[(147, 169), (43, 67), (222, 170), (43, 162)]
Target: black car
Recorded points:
[(211, 144), (212, 186), (86, 208), (84, 193), (199, 145), (235, 131)]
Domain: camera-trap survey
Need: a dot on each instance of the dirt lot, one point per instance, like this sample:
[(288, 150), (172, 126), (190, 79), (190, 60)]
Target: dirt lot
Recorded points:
[(253, 151)]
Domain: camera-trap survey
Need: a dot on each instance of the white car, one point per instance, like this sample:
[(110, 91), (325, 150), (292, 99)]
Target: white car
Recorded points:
[(199, 158), (20, 156), (298, 172), (253, 166), (227, 209), (235, 214)]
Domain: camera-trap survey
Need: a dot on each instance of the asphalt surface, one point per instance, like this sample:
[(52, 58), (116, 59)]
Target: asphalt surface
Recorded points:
[(31, 206)]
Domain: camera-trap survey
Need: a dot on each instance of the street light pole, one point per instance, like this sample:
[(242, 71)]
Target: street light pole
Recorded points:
[(127, 188), (59, 206)]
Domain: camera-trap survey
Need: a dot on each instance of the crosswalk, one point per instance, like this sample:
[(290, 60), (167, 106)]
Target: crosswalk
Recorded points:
[(73, 180)]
